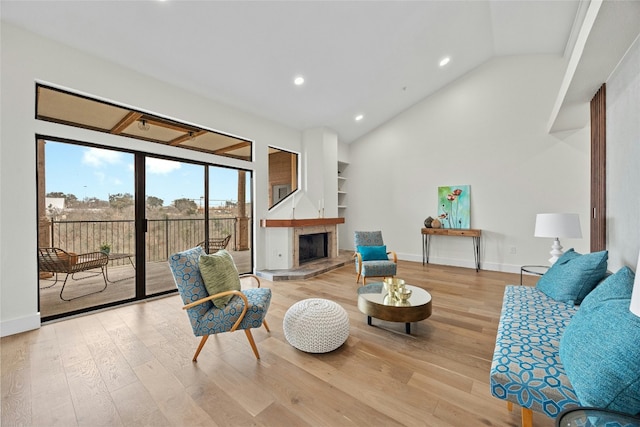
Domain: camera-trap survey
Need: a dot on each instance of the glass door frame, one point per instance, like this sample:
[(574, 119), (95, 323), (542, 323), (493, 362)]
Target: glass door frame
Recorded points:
[(140, 220)]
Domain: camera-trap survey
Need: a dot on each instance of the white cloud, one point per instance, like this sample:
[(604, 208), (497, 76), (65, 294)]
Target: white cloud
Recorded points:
[(161, 166), (98, 157)]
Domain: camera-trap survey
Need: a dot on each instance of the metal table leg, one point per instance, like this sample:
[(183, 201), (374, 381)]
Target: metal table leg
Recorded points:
[(476, 251)]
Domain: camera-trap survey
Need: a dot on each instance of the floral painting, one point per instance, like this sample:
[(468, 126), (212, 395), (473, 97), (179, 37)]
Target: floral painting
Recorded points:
[(454, 206)]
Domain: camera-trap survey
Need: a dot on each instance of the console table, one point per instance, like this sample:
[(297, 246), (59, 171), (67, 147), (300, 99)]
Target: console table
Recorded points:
[(467, 232)]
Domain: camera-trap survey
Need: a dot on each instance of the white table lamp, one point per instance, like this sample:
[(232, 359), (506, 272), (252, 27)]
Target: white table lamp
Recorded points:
[(557, 225), (635, 295)]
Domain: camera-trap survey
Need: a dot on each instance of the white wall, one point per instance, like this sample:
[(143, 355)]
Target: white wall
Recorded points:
[(27, 58), (343, 152), (623, 161), (487, 130), (321, 171)]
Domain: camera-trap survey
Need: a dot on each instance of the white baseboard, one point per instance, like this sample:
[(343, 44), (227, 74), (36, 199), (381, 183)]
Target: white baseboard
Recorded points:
[(466, 263), (22, 324), (409, 257)]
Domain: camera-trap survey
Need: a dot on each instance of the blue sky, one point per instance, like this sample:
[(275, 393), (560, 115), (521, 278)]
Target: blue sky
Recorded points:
[(94, 172)]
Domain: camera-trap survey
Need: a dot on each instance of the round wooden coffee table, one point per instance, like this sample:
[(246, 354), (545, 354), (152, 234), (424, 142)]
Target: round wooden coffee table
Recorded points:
[(373, 301)]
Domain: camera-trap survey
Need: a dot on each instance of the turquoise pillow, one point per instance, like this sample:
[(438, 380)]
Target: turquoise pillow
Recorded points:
[(220, 274), (614, 287), (573, 276), (373, 253), (600, 348)]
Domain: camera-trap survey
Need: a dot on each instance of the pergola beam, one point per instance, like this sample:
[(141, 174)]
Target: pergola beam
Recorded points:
[(126, 121), (179, 140)]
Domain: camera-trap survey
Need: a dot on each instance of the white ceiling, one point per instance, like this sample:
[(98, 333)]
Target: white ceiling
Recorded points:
[(375, 58)]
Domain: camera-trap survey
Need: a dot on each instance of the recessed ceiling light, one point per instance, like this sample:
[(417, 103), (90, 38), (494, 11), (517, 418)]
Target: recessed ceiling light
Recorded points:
[(359, 117), (298, 80), (444, 61)]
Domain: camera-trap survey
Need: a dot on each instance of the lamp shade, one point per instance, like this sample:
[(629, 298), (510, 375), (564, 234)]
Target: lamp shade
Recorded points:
[(558, 225), (635, 295)]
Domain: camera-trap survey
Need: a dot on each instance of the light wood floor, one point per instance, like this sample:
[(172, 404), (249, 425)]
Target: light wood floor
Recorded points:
[(132, 365)]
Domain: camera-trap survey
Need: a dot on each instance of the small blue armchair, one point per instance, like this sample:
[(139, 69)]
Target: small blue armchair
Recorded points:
[(372, 257), (246, 309)]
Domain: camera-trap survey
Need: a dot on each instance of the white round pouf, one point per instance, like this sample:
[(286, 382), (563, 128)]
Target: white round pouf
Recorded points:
[(316, 325)]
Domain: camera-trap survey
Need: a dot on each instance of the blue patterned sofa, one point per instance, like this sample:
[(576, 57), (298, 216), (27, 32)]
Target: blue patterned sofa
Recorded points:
[(569, 341), (526, 368)]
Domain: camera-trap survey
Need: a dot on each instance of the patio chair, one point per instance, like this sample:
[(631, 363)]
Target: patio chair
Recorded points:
[(56, 260), (215, 244), (372, 257), (246, 309)]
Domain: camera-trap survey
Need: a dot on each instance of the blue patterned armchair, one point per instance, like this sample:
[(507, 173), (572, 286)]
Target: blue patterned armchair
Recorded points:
[(246, 309), (372, 257)]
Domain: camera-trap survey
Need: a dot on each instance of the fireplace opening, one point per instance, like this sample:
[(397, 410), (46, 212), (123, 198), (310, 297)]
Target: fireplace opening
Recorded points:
[(312, 247)]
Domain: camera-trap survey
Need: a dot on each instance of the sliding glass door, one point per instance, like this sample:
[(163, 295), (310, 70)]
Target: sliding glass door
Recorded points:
[(174, 216), (109, 221), (86, 227), (229, 214)]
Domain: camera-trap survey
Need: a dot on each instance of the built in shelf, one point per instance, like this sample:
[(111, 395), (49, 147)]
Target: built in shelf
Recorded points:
[(303, 222)]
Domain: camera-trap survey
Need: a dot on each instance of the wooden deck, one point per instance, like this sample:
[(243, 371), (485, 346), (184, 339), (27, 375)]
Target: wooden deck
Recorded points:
[(120, 288)]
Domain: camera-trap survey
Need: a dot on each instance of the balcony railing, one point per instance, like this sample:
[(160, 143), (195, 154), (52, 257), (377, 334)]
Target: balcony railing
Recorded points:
[(163, 236)]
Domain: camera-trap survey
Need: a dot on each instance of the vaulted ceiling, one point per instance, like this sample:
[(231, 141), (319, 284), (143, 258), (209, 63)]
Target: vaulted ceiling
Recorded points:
[(374, 58)]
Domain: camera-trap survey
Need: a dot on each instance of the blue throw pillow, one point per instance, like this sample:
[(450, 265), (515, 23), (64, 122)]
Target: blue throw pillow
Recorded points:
[(599, 348), (573, 276), (615, 286), (373, 253)]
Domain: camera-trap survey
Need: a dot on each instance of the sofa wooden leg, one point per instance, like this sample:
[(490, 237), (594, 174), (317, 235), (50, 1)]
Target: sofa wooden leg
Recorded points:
[(527, 417), (509, 406)]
